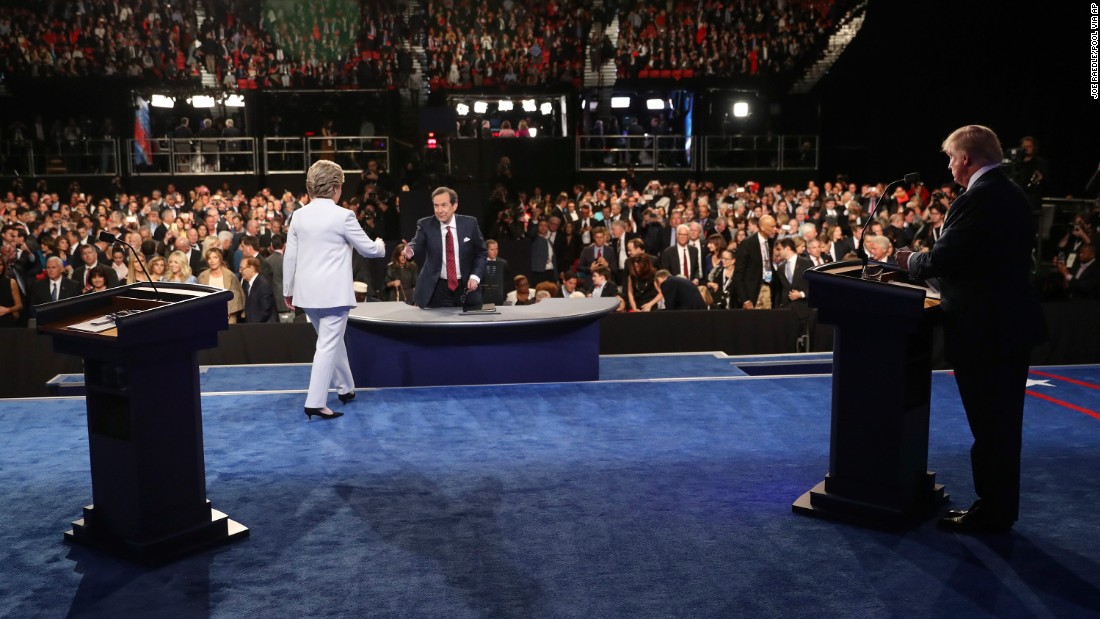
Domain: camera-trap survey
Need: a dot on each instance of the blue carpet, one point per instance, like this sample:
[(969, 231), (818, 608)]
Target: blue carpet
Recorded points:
[(644, 499), (632, 367)]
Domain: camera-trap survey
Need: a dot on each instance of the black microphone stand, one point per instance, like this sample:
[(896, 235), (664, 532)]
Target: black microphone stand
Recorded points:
[(910, 178), (107, 237)]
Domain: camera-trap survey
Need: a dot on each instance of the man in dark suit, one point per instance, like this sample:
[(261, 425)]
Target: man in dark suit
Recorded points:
[(54, 287), (497, 271), (89, 257), (157, 229), (450, 248), (679, 293), (674, 258), (793, 288), (259, 297), (753, 275), (543, 259), (1082, 281), (603, 286), (666, 236), (598, 254), (991, 319)]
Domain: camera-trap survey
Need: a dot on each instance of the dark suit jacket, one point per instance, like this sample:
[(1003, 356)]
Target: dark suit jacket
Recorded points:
[(40, 291), (800, 306), (983, 260), (609, 290), (588, 256), (1088, 285), (112, 277), (681, 294), (259, 304), (670, 260), (428, 252), (197, 262), (747, 271)]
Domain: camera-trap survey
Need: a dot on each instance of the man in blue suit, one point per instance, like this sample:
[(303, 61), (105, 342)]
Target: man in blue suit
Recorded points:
[(991, 319), (451, 252)]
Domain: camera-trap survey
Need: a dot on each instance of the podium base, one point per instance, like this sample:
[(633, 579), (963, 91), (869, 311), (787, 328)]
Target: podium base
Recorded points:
[(218, 531), (819, 503)]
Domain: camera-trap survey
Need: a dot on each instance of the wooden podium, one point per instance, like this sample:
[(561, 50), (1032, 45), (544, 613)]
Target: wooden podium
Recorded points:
[(144, 416), (882, 380)]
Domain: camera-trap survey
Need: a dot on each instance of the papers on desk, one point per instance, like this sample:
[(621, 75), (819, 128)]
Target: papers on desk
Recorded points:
[(928, 292), (98, 324), (102, 323)]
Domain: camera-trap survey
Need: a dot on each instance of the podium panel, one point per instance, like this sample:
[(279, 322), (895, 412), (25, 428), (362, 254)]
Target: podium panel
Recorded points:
[(882, 383), (140, 352)]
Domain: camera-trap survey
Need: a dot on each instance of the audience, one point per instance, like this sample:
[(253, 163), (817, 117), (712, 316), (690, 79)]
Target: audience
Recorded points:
[(206, 234)]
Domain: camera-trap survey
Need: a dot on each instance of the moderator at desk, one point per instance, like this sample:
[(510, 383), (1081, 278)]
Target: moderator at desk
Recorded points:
[(399, 345)]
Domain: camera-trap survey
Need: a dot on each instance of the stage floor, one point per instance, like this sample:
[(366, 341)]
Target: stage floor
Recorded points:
[(662, 490)]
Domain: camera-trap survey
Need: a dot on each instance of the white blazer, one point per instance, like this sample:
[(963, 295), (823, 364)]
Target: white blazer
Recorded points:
[(316, 262)]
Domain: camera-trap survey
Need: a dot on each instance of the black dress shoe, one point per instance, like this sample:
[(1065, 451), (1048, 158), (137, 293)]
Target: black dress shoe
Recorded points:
[(974, 521), (310, 412), (346, 397)]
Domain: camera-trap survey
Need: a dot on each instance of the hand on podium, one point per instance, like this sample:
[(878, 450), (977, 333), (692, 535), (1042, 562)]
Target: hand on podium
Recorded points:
[(902, 256)]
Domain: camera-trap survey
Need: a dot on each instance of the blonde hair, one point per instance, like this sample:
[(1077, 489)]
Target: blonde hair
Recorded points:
[(977, 141), (323, 179), (185, 267)]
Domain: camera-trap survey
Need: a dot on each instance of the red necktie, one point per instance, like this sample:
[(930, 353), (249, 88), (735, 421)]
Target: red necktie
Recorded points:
[(599, 252), (687, 270), (452, 272)]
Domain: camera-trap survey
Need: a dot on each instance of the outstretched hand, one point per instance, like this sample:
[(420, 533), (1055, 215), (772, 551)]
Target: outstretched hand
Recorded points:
[(408, 251)]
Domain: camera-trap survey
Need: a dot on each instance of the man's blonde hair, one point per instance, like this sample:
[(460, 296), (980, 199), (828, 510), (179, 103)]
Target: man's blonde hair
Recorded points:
[(323, 179), (977, 141)]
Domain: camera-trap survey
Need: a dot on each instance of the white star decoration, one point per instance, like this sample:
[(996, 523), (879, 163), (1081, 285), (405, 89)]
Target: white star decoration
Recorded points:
[(1045, 383)]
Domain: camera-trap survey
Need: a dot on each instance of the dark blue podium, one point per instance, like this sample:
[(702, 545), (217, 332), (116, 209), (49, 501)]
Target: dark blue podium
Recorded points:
[(399, 345)]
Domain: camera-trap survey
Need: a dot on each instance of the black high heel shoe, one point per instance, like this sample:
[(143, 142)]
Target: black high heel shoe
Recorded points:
[(346, 397), (310, 412)]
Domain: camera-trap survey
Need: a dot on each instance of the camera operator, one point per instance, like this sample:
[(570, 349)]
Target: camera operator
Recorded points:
[(1030, 171), (506, 226), (1078, 234)]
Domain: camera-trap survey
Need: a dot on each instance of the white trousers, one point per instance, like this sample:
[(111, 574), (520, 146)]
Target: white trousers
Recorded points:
[(330, 361)]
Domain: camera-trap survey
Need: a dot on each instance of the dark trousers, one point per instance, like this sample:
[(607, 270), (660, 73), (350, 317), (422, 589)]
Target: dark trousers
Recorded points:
[(442, 296), (992, 390)]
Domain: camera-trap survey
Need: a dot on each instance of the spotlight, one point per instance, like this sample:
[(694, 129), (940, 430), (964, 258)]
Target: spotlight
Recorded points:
[(592, 105), (546, 108), (462, 109), (620, 102), (654, 104), (163, 101), (234, 100), (201, 101), (480, 107), (505, 105), (529, 105), (741, 109), (532, 131)]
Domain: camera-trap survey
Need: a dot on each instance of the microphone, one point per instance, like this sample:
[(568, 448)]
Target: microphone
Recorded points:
[(909, 179), (107, 237)]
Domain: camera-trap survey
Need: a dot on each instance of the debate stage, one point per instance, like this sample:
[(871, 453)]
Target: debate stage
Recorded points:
[(399, 345)]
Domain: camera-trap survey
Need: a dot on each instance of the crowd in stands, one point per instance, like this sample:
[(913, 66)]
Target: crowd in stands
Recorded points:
[(625, 239), (505, 42), (749, 37), (245, 43)]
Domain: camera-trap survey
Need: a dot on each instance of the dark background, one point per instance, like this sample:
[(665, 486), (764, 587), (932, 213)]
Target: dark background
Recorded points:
[(918, 70)]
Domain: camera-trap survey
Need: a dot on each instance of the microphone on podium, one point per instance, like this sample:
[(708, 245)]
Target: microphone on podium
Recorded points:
[(107, 237), (909, 179)]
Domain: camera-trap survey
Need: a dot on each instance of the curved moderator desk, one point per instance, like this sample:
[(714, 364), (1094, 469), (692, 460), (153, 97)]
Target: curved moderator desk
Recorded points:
[(399, 345)]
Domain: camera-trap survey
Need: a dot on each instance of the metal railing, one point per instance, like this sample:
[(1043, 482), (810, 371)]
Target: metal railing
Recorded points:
[(351, 152), (642, 152), (82, 157), (760, 152), (195, 156)]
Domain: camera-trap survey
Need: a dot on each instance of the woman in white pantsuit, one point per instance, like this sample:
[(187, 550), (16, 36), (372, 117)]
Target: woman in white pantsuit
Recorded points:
[(317, 278)]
